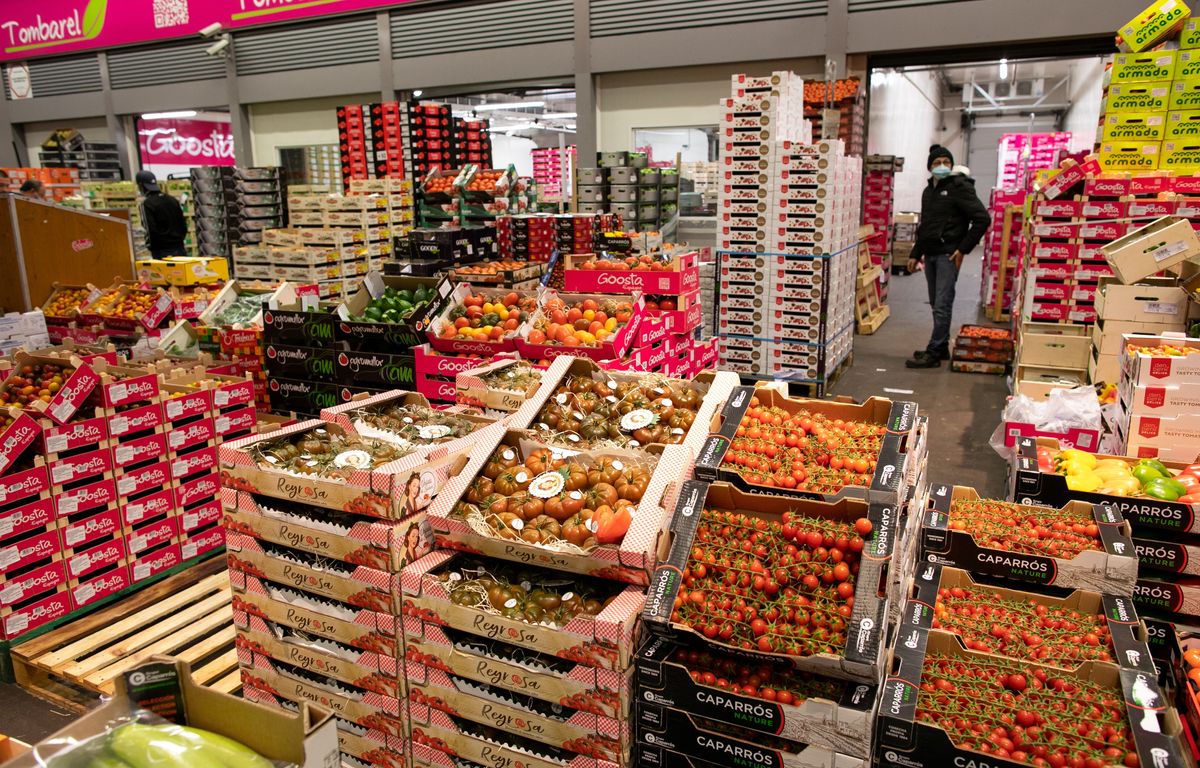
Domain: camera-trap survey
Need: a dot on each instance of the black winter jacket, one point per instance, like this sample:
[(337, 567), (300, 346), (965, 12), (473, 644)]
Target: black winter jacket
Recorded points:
[(952, 217)]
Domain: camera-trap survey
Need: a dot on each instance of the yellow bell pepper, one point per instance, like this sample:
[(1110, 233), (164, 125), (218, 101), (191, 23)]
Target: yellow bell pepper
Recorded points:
[(1085, 482), (1074, 454)]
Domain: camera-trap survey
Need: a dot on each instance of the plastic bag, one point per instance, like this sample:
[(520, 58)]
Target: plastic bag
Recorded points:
[(1061, 411), (145, 740)]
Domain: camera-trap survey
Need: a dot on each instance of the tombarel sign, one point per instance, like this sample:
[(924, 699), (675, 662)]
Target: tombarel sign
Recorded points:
[(55, 27)]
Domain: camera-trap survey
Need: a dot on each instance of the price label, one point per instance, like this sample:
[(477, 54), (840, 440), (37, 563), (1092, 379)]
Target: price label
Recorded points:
[(174, 408), (124, 454), (1161, 308), (141, 571), (68, 505), (16, 624), (80, 563), (190, 520), (119, 425), (62, 411), (56, 443), (220, 398), (137, 543), (74, 535), (11, 594), (62, 473), (189, 551), (117, 393), (84, 593)]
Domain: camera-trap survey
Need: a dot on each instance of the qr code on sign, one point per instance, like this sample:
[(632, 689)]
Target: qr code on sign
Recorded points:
[(170, 13)]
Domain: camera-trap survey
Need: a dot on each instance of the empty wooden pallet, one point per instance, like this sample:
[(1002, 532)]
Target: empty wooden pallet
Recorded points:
[(187, 616)]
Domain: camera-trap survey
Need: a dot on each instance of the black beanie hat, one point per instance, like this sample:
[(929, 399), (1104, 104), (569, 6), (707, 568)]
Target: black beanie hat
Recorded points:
[(936, 151)]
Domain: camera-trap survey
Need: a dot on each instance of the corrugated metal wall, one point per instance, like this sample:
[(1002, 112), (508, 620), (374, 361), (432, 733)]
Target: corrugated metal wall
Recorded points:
[(164, 64), (60, 77), (492, 25), (352, 40), (624, 17)]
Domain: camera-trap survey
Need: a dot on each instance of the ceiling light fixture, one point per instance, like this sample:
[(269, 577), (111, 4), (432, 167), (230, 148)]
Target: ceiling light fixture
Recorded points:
[(1003, 69), (169, 115), (552, 115), (510, 105), (418, 93)]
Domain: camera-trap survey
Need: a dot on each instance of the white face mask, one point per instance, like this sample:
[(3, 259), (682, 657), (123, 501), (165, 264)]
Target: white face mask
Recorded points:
[(941, 171)]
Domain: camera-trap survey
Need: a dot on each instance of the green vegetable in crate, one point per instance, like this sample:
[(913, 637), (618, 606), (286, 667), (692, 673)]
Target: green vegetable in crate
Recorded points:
[(395, 305), (242, 311), (177, 746)]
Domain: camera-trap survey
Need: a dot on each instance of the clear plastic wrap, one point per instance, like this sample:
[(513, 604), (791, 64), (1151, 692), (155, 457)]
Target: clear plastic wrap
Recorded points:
[(1061, 411)]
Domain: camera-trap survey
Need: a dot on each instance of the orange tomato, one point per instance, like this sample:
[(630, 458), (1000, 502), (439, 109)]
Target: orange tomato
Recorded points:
[(590, 305), (537, 337)]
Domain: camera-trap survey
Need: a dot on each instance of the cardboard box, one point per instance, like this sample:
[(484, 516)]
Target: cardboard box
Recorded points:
[(1127, 156), (1149, 65), (1180, 155), (1046, 345), (183, 270), (1145, 369), (1151, 249), (307, 739), (1152, 300), (1139, 97), (1157, 23)]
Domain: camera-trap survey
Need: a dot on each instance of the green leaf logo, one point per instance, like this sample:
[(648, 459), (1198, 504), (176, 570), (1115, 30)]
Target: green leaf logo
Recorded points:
[(93, 18)]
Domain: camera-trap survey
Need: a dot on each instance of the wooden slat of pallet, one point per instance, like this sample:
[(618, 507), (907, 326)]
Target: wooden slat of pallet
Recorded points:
[(102, 677), (214, 670), (230, 683)]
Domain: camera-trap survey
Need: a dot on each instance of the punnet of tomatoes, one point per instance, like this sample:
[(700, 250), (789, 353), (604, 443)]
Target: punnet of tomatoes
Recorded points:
[(777, 576), (760, 694), (1078, 546), (481, 321), (1057, 631), (809, 448), (596, 326), (600, 513), (587, 620), (972, 708)]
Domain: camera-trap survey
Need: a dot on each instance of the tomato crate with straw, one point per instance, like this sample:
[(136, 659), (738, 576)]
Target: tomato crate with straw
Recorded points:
[(764, 441), (1036, 481), (822, 609), (602, 513), (674, 272), (580, 404), (724, 687), (284, 605), (944, 705), (520, 670), (582, 325), (1026, 626), (591, 621), (1076, 546), (572, 731)]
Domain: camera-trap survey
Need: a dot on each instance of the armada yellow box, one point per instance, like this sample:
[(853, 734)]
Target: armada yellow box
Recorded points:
[(1153, 25), (1181, 156), (1134, 126), (1142, 67), (1183, 126), (1187, 64), (1189, 38), (1129, 155), (1150, 96), (1185, 95)]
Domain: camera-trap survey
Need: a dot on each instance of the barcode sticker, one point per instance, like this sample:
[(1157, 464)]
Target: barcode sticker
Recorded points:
[(222, 425), (179, 468), (119, 425), (3, 494), (84, 593), (189, 551), (176, 439), (16, 623), (8, 523), (68, 505), (126, 485), (75, 535), (56, 443), (1167, 251), (190, 520), (80, 563), (62, 411), (11, 594), (134, 512), (141, 571), (117, 393), (62, 473), (220, 398), (137, 543), (174, 408), (124, 454), (1162, 308)]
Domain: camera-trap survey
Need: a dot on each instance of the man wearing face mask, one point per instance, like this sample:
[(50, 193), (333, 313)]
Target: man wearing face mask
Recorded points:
[(953, 221)]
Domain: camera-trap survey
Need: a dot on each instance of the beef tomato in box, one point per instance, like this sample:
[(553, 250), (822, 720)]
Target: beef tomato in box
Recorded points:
[(402, 418), (562, 325), (829, 713), (914, 719), (883, 451), (572, 731), (370, 478), (352, 584), (363, 320), (641, 405), (595, 623), (1078, 627), (480, 322), (364, 708), (852, 645), (501, 385), (49, 386), (520, 670), (599, 513), (312, 614), (1078, 546), (675, 272)]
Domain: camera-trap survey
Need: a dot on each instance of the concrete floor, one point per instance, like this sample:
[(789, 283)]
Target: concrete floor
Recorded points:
[(963, 410)]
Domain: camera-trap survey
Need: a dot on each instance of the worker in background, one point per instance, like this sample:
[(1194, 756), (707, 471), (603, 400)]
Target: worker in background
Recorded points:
[(33, 189), (953, 221), (162, 215)]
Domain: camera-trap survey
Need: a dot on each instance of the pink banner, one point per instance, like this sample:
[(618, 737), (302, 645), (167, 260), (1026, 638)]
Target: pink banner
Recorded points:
[(55, 27), (185, 142)]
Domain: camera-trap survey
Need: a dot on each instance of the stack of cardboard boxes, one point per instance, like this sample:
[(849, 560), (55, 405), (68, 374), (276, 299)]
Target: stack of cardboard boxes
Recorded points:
[(879, 194), (1150, 307), (1159, 398)]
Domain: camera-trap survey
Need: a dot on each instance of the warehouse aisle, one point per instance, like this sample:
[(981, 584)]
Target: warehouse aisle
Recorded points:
[(963, 408)]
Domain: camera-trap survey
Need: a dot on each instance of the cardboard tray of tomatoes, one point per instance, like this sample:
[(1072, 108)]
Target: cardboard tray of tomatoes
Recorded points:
[(488, 745), (674, 272), (1149, 516), (20, 431), (885, 482), (143, 308), (64, 302), (874, 531), (472, 389), (713, 388), (564, 728), (604, 692), (771, 699), (1009, 695), (439, 330), (605, 640), (1028, 624), (535, 344), (1106, 562), (563, 539), (378, 492), (59, 406)]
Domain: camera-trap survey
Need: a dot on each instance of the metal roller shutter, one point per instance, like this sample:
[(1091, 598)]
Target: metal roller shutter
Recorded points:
[(164, 64), (59, 77), (353, 40), (491, 25), (623, 17)]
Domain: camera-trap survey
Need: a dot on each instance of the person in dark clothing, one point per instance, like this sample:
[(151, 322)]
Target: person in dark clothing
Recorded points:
[(953, 221), (162, 215), (34, 189)]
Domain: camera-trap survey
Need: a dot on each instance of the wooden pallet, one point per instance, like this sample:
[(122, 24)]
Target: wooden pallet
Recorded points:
[(187, 616)]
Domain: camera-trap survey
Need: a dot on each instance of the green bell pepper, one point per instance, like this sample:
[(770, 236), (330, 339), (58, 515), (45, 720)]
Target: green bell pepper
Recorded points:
[(1161, 488)]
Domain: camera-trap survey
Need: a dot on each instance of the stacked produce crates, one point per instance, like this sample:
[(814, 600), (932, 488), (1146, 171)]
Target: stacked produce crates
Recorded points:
[(848, 100), (1148, 119), (879, 194), (374, 141), (1157, 395), (94, 160), (550, 166), (472, 143), (234, 206), (645, 196)]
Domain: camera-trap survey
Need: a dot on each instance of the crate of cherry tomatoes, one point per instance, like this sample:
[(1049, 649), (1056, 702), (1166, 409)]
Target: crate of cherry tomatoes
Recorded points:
[(506, 272), (765, 441), (500, 385), (674, 271), (484, 321), (65, 301), (1076, 546), (581, 405), (588, 620), (131, 308), (812, 572), (677, 314), (580, 325), (946, 705), (1082, 626), (601, 513), (985, 337), (48, 386)]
